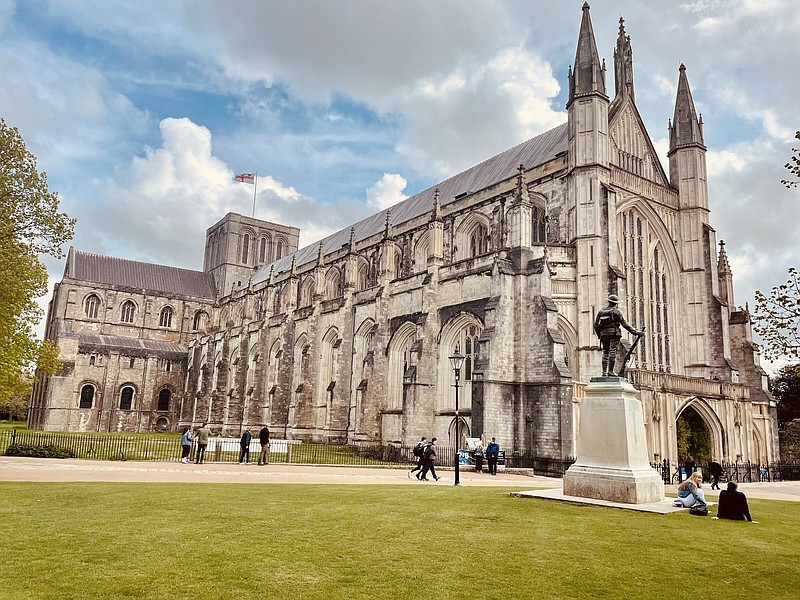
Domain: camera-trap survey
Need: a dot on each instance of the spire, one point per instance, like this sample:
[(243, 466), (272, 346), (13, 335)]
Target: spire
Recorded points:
[(352, 243), (521, 194), (321, 255), (588, 75), (686, 129), (623, 63), (272, 275), (436, 214), (387, 231), (293, 270), (723, 266)]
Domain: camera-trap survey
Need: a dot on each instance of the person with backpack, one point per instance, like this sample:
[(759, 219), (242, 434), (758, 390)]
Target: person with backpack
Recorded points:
[(419, 451), (429, 455), (607, 327), (492, 454)]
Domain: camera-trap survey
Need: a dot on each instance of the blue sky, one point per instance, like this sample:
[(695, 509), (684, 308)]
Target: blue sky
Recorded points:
[(142, 112)]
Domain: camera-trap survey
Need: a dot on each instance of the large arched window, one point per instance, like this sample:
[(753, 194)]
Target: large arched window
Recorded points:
[(91, 306), (279, 250), (165, 318), (127, 311), (479, 241), (306, 291), (333, 283), (648, 290), (164, 397), (421, 253), (399, 362), (199, 322), (87, 396), (462, 331), (126, 398), (262, 250)]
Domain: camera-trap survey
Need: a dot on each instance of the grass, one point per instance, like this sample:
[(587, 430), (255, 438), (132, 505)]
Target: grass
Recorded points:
[(100, 540)]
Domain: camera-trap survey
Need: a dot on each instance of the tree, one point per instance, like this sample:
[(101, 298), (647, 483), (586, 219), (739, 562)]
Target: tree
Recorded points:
[(777, 317), (785, 386), (30, 226), (793, 166)]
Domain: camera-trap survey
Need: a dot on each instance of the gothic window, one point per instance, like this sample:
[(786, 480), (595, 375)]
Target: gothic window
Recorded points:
[(167, 366), (126, 398), (479, 241), (333, 283), (92, 306), (539, 226), (398, 264), (307, 292), (245, 247), (279, 250), (399, 362), (128, 311), (362, 275), (164, 397), (92, 360), (199, 321), (87, 396), (165, 318), (463, 332), (648, 291), (421, 252), (262, 251)]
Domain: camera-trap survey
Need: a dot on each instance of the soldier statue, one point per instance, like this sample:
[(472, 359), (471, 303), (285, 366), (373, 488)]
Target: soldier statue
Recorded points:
[(607, 327)]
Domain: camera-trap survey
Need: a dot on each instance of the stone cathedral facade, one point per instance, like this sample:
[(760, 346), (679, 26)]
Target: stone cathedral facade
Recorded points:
[(348, 340)]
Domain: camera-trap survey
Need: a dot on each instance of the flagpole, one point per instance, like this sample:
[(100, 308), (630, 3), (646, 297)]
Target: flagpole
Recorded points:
[(255, 189)]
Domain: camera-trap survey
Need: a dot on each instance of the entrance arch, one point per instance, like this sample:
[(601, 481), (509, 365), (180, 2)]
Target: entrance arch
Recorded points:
[(698, 416), (458, 433)]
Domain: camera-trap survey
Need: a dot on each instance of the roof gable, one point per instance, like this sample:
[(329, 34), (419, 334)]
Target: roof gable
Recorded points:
[(631, 146)]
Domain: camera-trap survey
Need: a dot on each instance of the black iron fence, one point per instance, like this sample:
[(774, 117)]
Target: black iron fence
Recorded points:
[(742, 472)]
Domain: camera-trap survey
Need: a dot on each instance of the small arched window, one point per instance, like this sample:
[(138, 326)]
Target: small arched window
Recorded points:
[(539, 226), (262, 251), (245, 247), (92, 306), (199, 321), (279, 250), (87, 396), (128, 311), (165, 318), (163, 399), (126, 398)]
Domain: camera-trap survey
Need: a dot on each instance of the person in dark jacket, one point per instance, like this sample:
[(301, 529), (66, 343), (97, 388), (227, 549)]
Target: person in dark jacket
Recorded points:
[(430, 461), (607, 327), (419, 452), (263, 437), (244, 444), (202, 442), (478, 454), (715, 470), (733, 504), (492, 453)]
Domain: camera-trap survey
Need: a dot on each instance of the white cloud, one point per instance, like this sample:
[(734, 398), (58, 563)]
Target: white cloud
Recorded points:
[(387, 191)]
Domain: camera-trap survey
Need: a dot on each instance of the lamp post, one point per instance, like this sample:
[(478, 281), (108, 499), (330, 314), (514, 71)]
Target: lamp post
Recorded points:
[(457, 359)]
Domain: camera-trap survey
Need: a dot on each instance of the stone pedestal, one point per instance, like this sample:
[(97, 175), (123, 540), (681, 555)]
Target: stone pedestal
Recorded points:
[(613, 462)]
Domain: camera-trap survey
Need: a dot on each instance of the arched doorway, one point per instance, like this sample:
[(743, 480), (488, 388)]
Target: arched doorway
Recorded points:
[(695, 438), (458, 432)]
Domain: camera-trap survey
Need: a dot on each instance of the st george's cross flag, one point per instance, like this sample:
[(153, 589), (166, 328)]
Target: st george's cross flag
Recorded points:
[(246, 178)]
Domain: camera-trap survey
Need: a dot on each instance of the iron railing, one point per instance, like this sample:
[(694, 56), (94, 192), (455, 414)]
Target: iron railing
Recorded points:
[(742, 472)]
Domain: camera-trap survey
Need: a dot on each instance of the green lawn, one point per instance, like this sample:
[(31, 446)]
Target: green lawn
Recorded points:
[(171, 541)]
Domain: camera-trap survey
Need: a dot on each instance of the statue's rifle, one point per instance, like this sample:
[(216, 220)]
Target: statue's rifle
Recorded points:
[(628, 354)]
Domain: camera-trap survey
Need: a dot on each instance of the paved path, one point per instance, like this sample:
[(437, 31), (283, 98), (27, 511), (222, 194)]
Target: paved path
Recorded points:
[(57, 470)]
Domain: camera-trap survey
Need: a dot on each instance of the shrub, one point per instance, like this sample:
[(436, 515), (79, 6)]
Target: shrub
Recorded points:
[(43, 451)]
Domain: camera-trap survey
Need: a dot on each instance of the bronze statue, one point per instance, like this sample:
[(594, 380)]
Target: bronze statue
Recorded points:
[(607, 327)]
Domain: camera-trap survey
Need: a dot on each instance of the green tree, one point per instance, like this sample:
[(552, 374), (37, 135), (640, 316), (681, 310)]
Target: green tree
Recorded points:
[(777, 317), (30, 226), (793, 166), (785, 386)]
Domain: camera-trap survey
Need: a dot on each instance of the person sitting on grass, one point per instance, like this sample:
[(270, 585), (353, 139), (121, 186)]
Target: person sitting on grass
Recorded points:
[(733, 504), (690, 492)]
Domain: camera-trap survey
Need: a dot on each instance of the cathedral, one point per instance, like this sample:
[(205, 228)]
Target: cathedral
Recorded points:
[(348, 340)]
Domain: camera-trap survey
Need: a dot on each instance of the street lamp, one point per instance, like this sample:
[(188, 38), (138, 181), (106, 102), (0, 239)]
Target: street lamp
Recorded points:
[(457, 359)]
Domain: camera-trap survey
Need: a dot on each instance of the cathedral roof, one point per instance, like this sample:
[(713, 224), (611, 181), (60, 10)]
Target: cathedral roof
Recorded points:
[(135, 345), (110, 270), (532, 153)]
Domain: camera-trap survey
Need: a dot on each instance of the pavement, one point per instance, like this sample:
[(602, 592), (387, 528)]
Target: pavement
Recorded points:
[(14, 468)]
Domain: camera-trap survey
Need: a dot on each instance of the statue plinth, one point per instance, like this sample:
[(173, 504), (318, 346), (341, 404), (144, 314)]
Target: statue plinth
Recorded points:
[(612, 461)]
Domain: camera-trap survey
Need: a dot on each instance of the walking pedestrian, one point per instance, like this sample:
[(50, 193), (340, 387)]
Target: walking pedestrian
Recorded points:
[(430, 460), (715, 470), (419, 452), (263, 437), (202, 442), (186, 445), (244, 444), (492, 454)]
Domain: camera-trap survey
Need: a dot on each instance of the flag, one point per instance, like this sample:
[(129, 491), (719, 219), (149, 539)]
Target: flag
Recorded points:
[(246, 178)]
